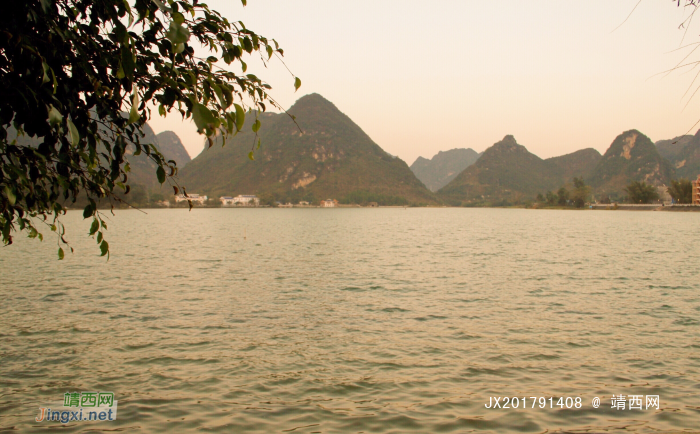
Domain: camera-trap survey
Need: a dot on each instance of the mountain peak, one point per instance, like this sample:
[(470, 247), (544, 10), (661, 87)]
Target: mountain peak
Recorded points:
[(313, 96), (630, 132), (508, 144), (443, 167), (505, 171), (172, 148), (683, 153), (313, 100), (632, 156), (309, 109), (321, 154), (628, 144)]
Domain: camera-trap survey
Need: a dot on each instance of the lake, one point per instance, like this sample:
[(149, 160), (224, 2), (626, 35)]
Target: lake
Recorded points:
[(385, 320)]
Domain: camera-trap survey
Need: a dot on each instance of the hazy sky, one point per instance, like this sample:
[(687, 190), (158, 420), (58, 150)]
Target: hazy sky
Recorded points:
[(420, 77)]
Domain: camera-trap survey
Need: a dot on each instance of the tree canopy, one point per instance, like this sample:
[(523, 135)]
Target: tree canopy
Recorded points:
[(79, 78), (581, 193), (641, 192), (681, 191)]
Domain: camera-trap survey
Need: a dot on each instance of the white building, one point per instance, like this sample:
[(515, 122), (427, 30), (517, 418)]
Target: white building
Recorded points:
[(227, 200), (191, 197), (329, 203), (246, 199)]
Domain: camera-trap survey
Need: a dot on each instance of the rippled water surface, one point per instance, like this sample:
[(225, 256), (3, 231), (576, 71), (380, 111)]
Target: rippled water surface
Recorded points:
[(358, 320)]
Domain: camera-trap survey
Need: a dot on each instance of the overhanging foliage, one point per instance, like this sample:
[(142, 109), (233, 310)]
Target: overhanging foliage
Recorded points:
[(80, 75)]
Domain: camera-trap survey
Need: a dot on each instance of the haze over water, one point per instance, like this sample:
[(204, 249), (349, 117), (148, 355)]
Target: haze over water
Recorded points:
[(357, 320)]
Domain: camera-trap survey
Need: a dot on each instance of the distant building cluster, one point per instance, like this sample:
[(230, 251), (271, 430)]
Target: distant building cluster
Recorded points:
[(696, 191), (240, 200), (190, 197), (247, 200)]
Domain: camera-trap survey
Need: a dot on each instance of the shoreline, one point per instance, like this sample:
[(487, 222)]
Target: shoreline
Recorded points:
[(595, 207)]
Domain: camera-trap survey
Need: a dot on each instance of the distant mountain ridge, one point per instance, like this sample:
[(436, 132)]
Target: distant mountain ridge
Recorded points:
[(684, 154), (631, 157), (508, 173), (326, 155), (331, 157), (142, 169), (443, 167), (171, 146), (670, 149), (577, 164), (688, 161)]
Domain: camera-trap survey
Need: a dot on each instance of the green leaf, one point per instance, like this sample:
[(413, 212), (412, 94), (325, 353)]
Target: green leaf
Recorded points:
[(219, 94), (177, 33), (127, 65), (6, 232), (178, 17), (240, 117), (55, 82), (11, 198), (161, 6), (74, 136), (61, 254), (104, 248), (94, 227), (128, 11), (251, 155), (121, 33), (45, 79), (297, 83), (99, 237), (269, 52), (134, 113), (247, 44), (228, 94), (55, 117), (256, 125), (87, 212), (245, 2), (120, 72), (203, 118), (160, 173)]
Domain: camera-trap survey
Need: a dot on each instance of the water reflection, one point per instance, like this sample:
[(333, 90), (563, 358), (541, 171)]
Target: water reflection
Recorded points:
[(358, 320)]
